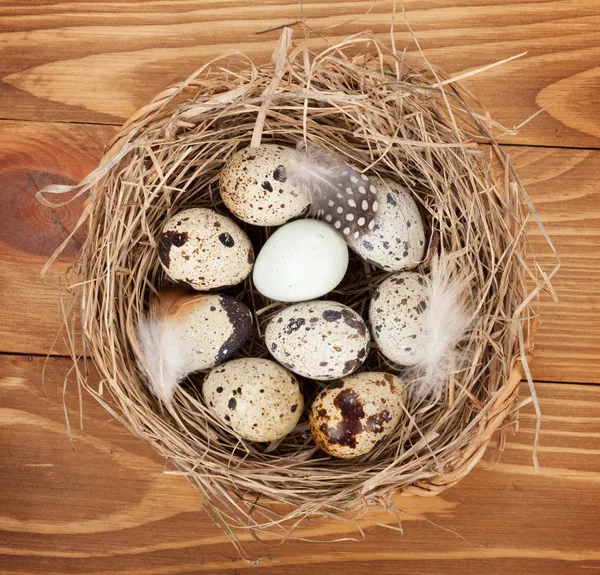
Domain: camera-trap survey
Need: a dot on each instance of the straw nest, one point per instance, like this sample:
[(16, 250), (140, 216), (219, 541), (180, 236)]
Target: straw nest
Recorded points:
[(387, 113)]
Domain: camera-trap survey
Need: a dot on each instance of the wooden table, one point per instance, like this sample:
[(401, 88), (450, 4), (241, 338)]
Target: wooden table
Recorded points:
[(73, 71)]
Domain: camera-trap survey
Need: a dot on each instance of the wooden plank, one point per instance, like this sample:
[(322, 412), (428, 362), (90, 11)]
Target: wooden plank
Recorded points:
[(562, 183), (563, 186), (33, 155), (103, 505), (99, 61)]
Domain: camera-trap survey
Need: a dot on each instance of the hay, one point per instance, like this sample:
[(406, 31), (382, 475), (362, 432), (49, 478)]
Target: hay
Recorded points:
[(385, 112)]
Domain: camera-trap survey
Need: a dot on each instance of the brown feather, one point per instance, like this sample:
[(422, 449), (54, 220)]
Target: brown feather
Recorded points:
[(339, 194)]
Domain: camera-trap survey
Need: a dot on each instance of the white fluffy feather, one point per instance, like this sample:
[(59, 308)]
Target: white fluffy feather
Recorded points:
[(165, 358), (315, 170), (448, 318)]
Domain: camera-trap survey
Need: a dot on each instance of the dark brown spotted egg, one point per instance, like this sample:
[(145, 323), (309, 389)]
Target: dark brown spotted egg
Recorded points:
[(396, 241), (398, 317), (210, 327), (255, 187), (258, 398), (204, 250), (355, 414), (322, 340)]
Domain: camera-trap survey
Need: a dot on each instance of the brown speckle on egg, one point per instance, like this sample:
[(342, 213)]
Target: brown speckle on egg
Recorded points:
[(294, 325), (280, 173), (204, 250), (332, 336), (354, 416), (240, 322), (265, 408), (352, 365), (254, 186), (168, 239), (398, 337), (226, 240), (331, 315)]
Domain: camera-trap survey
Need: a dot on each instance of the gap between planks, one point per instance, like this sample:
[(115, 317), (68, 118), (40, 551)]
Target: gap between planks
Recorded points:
[(503, 141), (67, 357)]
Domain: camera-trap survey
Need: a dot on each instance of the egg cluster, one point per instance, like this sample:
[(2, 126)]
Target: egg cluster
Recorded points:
[(311, 340)]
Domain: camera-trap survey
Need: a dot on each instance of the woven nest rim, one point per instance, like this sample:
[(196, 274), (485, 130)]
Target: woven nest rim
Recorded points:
[(163, 160)]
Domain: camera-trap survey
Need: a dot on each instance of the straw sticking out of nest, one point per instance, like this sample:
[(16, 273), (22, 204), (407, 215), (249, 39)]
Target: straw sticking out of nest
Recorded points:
[(389, 114)]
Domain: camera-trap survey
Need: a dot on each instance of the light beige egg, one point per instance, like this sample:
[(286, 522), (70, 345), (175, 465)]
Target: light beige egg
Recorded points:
[(322, 340), (398, 317), (258, 398), (397, 241), (255, 187), (355, 414), (204, 250), (208, 329)]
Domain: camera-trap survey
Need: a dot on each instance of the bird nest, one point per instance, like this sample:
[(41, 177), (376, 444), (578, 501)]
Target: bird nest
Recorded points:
[(394, 115)]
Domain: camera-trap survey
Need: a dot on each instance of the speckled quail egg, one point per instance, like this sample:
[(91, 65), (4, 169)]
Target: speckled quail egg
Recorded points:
[(322, 340), (301, 261), (397, 241), (184, 333), (354, 415), (398, 316), (257, 398), (213, 327), (204, 250), (255, 187)]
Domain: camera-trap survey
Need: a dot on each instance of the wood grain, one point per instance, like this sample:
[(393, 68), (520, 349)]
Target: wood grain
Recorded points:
[(33, 155), (103, 506), (97, 61), (562, 183)]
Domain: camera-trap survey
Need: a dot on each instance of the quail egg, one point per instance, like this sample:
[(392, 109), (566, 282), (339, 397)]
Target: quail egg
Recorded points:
[(354, 415), (397, 241), (301, 261), (211, 327), (258, 398), (204, 250), (255, 187), (398, 317), (322, 340)]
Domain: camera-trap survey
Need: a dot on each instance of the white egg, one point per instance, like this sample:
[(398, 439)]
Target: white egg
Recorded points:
[(204, 250), (398, 317), (322, 340), (397, 241), (354, 415), (255, 188), (302, 260), (211, 328), (257, 398)]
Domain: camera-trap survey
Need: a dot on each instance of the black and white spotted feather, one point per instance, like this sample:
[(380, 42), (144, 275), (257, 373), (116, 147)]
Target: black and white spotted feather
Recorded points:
[(339, 194)]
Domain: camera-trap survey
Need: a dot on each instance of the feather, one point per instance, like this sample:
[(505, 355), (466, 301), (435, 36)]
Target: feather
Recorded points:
[(165, 355), (448, 319), (339, 194)]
